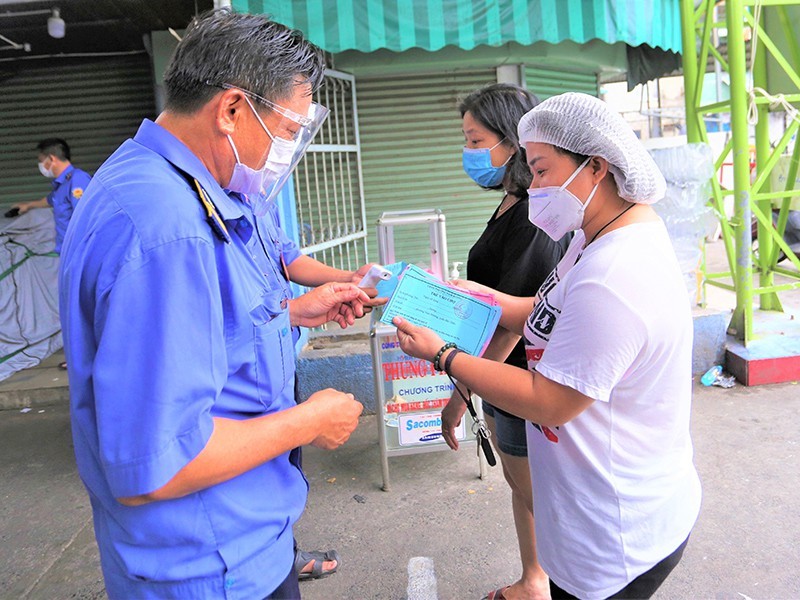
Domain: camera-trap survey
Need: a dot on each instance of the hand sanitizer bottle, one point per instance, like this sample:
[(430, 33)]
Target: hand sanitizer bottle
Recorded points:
[(454, 274)]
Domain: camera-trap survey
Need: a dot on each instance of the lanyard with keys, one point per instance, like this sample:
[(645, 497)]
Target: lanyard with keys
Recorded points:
[(479, 429)]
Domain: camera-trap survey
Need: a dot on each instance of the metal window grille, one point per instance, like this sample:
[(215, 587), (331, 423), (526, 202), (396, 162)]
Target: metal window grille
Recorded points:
[(328, 183)]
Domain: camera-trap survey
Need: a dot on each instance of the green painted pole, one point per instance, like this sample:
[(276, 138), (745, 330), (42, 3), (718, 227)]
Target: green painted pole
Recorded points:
[(767, 300), (690, 70), (789, 34), (791, 176), (741, 324), (689, 59)]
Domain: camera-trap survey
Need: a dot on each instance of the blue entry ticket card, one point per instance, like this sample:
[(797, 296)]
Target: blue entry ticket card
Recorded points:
[(456, 315)]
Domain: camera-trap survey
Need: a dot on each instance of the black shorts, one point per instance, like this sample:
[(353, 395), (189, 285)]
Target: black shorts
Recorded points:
[(644, 586), (509, 431)]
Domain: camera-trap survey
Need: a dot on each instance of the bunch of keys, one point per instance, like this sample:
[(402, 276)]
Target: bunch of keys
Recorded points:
[(483, 435), (478, 426)]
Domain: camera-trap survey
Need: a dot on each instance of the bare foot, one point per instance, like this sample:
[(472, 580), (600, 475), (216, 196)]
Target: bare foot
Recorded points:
[(531, 590)]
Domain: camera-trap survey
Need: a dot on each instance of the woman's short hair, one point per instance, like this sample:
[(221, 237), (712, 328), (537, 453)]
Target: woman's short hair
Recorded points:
[(499, 107)]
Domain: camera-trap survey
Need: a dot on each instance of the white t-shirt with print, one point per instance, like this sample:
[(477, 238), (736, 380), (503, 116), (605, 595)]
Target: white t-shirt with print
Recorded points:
[(615, 490)]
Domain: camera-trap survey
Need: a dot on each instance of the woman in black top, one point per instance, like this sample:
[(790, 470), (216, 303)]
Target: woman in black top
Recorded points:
[(513, 256)]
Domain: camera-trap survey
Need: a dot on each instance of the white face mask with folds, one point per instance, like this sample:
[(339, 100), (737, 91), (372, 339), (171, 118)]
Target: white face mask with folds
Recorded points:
[(247, 180), (557, 211), (45, 171)]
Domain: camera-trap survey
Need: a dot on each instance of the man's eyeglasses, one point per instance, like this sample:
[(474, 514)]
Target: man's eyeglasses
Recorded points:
[(301, 120)]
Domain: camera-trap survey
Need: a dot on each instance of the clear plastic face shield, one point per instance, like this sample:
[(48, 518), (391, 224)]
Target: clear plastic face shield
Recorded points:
[(292, 127), (275, 179)]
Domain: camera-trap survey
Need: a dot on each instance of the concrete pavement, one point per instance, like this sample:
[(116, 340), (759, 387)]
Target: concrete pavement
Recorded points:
[(42, 385), (745, 545)]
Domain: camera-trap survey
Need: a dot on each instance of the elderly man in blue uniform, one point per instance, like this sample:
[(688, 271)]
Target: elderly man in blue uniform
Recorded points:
[(180, 347), (69, 183)]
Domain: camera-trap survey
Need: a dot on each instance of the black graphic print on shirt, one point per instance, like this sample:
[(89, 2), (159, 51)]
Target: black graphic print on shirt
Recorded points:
[(542, 320), (548, 284), (538, 328)]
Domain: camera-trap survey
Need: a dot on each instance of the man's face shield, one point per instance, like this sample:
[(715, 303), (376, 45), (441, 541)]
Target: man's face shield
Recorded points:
[(300, 129), (275, 179)]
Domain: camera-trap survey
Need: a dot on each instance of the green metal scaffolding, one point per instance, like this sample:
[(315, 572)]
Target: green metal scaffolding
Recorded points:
[(750, 97)]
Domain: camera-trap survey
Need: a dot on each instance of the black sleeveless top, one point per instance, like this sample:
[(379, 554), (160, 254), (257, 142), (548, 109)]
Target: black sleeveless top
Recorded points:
[(514, 256)]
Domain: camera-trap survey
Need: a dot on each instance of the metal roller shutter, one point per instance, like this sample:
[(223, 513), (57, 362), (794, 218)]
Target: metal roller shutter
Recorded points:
[(545, 83), (411, 145), (93, 104)]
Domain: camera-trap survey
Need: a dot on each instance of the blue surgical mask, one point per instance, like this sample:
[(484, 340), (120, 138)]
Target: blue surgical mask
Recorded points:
[(478, 165)]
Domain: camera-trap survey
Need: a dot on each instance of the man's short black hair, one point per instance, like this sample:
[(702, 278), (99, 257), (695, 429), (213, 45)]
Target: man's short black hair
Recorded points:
[(251, 52), (499, 107), (55, 146)]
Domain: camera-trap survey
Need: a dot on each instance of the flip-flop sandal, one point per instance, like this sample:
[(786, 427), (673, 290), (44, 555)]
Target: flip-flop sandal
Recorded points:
[(498, 594), (302, 558)]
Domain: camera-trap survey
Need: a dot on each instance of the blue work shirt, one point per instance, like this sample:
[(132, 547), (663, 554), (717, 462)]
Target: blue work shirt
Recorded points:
[(167, 326), (278, 251), (282, 244), (282, 252), (68, 189)]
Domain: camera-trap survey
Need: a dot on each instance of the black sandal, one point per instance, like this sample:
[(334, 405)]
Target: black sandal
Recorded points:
[(302, 558)]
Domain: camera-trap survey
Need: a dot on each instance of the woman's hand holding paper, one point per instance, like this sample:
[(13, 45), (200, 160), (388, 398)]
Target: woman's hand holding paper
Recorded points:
[(466, 284), (419, 342)]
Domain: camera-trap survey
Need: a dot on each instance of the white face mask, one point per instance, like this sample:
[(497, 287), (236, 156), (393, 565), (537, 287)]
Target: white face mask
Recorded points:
[(46, 172), (247, 180), (278, 162), (557, 211)]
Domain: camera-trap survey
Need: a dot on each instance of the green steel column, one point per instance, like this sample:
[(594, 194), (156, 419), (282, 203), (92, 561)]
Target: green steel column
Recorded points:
[(791, 177), (766, 276), (741, 324), (689, 42), (794, 49)]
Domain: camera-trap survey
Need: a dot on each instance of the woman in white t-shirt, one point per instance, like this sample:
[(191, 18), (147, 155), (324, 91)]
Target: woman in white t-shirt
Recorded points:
[(607, 393)]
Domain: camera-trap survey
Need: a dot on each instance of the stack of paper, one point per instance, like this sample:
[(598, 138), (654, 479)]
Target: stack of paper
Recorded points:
[(456, 315)]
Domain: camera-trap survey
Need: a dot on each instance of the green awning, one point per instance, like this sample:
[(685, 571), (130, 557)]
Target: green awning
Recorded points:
[(368, 25)]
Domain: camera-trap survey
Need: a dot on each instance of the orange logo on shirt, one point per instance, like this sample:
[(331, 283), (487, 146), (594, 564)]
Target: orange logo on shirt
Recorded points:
[(77, 193)]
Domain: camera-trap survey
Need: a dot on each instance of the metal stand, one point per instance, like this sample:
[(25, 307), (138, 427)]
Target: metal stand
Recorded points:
[(409, 394), (436, 233)]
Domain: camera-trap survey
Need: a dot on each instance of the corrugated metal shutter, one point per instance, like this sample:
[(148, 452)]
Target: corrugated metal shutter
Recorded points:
[(545, 82), (93, 104), (411, 145)]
